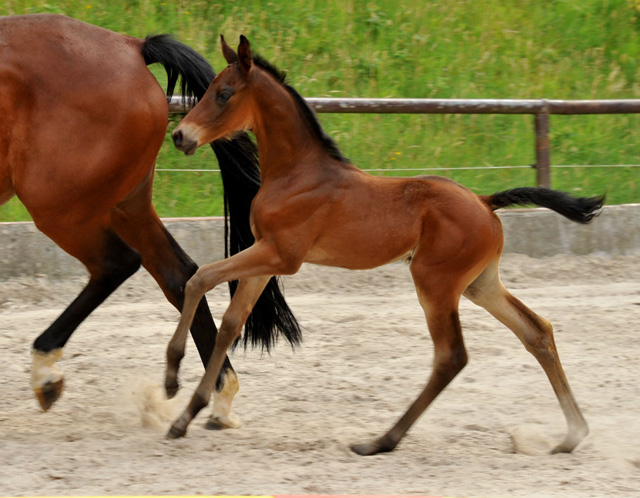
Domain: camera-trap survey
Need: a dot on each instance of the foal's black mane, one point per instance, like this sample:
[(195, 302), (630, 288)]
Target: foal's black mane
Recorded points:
[(306, 111)]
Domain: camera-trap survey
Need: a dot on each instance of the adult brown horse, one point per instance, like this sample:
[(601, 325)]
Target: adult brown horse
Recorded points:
[(82, 122), (314, 206)]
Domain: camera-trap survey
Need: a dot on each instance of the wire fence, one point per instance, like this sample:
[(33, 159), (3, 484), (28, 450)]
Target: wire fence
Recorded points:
[(436, 168), (541, 109)]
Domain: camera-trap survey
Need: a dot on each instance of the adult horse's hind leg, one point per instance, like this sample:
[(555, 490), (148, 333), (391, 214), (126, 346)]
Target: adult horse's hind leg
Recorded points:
[(536, 334), (110, 262)]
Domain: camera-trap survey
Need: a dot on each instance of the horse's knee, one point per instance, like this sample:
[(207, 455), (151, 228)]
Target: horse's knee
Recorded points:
[(231, 326), (195, 285)]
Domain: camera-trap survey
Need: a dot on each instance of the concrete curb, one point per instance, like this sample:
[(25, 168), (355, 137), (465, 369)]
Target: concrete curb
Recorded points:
[(24, 251)]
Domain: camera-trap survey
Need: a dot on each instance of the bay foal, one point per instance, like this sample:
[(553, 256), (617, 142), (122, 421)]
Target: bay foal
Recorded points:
[(314, 206)]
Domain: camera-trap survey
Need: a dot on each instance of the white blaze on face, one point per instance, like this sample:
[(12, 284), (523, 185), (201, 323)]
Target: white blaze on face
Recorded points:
[(222, 402), (44, 369)]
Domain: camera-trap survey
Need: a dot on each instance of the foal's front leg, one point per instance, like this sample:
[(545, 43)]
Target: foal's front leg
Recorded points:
[(242, 303), (253, 267), (259, 260)]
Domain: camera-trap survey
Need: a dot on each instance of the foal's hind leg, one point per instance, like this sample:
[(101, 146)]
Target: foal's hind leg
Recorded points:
[(536, 334), (440, 305)]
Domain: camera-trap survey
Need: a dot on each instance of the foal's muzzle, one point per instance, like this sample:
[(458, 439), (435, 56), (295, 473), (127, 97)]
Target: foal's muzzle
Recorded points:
[(183, 143)]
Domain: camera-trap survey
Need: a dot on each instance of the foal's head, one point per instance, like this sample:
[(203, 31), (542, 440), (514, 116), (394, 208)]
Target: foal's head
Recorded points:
[(227, 105)]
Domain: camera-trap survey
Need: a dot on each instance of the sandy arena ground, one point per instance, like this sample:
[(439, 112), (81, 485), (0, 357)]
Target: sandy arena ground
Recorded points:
[(366, 356)]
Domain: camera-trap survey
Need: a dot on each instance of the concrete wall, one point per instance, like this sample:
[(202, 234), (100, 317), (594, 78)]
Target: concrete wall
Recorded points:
[(24, 251), (540, 232)]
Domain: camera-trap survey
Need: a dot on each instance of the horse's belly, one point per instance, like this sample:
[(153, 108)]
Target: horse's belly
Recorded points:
[(361, 249)]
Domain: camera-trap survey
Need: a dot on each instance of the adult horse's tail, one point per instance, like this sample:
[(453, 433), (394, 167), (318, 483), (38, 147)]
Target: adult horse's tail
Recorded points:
[(239, 167), (578, 209)]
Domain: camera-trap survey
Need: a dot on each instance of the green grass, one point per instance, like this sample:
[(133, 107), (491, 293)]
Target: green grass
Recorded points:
[(559, 49)]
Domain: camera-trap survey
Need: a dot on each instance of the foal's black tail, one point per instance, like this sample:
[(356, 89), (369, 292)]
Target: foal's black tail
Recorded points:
[(240, 170), (579, 209)]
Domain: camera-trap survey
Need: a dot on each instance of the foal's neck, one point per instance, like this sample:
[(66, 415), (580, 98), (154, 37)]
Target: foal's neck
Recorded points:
[(285, 139)]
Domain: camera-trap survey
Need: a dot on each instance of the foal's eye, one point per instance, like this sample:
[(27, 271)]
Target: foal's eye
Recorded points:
[(224, 96)]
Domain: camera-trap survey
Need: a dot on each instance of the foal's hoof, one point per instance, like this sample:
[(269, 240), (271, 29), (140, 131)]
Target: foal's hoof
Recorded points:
[(176, 433), (49, 393), (561, 449), (564, 447), (372, 448), (171, 389), (572, 440)]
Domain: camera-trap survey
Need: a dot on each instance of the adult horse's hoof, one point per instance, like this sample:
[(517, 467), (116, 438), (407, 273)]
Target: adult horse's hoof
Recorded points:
[(49, 393), (175, 433), (222, 417), (216, 423), (47, 380)]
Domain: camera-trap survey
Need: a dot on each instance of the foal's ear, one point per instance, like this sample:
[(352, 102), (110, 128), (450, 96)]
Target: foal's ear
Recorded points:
[(228, 52), (244, 54)]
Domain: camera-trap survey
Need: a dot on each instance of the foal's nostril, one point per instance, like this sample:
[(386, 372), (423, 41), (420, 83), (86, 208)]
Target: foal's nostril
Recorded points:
[(177, 138), (184, 142)]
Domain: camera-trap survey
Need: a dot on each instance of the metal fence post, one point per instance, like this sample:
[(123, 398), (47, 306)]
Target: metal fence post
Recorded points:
[(543, 153)]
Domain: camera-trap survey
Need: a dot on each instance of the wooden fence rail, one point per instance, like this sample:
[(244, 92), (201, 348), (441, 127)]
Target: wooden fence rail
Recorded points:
[(541, 109)]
